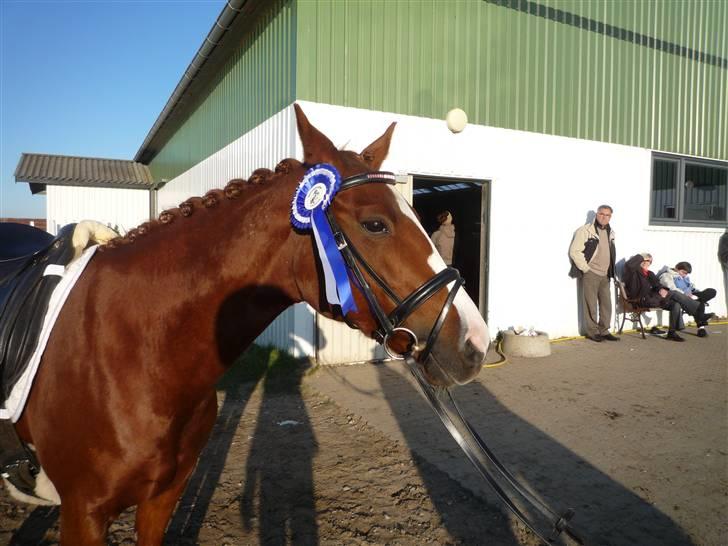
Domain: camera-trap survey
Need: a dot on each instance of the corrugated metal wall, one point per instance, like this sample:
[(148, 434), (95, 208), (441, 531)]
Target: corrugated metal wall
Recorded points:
[(262, 147), (121, 209), (551, 67), (255, 83)]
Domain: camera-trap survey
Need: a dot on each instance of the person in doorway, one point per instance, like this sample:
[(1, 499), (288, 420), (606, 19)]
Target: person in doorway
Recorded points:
[(644, 286), (592, 253), (444, 237)]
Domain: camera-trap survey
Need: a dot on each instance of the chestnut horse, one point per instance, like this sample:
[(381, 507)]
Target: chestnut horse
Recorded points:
[(124, 399)]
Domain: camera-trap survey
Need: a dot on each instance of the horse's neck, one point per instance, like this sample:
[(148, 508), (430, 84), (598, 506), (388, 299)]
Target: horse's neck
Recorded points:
[(218, 277)]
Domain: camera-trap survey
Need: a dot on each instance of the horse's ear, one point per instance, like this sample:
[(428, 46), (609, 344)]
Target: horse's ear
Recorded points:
[(377, 151), (317, 147)]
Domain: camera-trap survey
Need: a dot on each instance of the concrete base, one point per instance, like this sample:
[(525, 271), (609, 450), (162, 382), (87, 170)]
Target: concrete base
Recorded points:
[(526, 346)]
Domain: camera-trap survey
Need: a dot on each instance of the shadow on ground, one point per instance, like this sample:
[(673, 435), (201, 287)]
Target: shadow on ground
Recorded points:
[(612, 515)]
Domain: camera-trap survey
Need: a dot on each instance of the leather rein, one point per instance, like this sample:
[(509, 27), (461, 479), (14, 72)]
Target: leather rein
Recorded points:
[(544, 522)]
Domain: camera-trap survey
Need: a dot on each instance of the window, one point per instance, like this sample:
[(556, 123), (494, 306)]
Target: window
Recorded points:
[(688, 192)]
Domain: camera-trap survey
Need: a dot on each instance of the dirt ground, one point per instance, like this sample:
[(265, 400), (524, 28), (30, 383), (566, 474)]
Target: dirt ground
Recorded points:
[(286, 465), (632, 435)]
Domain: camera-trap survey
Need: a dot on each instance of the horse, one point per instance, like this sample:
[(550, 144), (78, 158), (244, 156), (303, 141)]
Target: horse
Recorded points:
[(124, 399)]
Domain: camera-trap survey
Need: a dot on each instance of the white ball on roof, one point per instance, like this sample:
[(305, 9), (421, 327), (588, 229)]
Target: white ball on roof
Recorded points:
[(456, 120)]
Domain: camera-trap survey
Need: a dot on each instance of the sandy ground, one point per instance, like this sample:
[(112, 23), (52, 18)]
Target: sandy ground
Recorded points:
[(632, 435)]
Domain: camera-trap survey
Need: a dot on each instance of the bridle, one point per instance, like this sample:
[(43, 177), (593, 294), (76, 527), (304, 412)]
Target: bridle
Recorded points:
[(390, 324)]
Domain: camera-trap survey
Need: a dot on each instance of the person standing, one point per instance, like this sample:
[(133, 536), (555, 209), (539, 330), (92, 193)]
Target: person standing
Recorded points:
[(444, 237), (723, 259), (592, 253)]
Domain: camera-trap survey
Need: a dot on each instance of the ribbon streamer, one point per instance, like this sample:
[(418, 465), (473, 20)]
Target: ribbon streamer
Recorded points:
[(313, 196)]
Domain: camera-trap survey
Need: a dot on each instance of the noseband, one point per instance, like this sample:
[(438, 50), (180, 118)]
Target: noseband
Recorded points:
[(390, 324)]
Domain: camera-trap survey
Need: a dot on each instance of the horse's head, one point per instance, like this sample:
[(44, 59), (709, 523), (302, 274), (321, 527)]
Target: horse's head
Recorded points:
[(408, 279)]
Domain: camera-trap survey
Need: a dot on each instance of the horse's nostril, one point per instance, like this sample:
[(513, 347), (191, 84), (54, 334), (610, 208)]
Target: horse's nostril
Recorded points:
[(473, 353)]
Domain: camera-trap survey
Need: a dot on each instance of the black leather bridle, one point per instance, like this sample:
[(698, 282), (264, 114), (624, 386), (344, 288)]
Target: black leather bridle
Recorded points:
[(390, 324)]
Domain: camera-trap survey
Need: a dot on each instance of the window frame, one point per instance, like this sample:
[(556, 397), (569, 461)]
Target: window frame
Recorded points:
[(679, 219)]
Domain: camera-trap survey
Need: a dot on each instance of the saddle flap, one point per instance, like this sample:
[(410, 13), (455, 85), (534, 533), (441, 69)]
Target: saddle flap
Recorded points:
[(21, 241)]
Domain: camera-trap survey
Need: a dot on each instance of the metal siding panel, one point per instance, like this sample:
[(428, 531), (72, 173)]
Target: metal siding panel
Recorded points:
[(253, 84), (263, 146), (118, 208), (508, 68)]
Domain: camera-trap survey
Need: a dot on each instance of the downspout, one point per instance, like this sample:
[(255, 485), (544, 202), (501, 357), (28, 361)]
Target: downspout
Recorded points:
[(222, 25), (153, 200)]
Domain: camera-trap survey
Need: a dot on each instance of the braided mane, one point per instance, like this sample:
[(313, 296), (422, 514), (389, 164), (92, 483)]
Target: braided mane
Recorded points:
[(232, 190)]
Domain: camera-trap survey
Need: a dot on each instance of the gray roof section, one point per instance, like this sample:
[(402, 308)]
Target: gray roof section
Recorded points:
[(64, 170)]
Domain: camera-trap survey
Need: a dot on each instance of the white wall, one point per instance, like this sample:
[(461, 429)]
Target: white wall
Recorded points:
[(114, 207), (543, 188)]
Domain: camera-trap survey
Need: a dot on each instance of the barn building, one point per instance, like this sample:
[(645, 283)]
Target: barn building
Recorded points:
[(570, 104)]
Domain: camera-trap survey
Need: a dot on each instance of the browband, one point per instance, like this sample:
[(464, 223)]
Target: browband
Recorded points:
[(359, 179)]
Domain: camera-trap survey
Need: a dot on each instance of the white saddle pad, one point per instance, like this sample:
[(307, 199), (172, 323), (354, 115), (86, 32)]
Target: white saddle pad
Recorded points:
[(12, 408)]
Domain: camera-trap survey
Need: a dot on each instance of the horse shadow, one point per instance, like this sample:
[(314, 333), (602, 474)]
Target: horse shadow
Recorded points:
[(606, 512), (285, 507), (280, 478)]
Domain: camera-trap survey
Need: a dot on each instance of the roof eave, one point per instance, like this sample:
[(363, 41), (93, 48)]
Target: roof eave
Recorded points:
[(213, 51)]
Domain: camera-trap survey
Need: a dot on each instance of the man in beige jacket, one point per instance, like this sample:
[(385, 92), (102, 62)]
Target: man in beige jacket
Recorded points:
[(592, 255)]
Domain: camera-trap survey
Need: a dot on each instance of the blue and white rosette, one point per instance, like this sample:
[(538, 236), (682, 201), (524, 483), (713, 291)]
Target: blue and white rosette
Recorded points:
[(313, 196)]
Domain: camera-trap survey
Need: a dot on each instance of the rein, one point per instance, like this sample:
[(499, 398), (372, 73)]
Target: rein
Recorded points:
[(512, 493)]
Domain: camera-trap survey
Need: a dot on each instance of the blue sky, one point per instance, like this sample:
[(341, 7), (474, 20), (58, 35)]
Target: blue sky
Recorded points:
[(88, 78)]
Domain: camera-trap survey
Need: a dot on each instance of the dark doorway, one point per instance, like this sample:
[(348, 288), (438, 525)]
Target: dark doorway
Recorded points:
[(469, 203)]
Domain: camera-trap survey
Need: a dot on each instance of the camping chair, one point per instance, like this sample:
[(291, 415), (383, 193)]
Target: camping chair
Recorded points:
[(632, 307)]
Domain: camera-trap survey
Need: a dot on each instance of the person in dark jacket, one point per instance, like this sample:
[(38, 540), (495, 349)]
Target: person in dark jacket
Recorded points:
[(644, 286)]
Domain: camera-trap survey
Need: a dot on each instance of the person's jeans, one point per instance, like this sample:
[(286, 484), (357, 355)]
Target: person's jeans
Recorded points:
[(706, 295), (676, 302)]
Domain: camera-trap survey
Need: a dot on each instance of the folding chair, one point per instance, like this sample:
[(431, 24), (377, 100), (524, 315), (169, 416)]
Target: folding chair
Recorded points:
[(632, 307)]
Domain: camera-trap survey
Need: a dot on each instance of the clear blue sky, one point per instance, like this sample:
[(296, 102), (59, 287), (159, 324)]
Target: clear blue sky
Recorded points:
[(88, 78)]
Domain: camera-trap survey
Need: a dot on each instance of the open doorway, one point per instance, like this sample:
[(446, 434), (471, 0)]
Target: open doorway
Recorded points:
[(469, 203)]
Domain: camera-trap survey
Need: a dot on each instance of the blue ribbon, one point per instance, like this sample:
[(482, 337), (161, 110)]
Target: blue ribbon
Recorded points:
[(309, 214), (330, 257)]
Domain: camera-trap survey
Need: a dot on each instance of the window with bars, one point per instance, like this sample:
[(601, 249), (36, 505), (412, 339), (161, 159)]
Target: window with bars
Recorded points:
[(688, 191)]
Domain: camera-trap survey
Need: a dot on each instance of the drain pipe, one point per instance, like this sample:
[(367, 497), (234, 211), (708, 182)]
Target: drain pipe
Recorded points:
[(224, 21), (153, 198)]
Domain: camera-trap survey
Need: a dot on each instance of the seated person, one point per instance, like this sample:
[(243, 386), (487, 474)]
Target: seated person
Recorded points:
[(677, 279), (644, 286)]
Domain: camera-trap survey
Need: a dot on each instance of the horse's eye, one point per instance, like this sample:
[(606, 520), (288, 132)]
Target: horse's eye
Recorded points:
[(375, 226)]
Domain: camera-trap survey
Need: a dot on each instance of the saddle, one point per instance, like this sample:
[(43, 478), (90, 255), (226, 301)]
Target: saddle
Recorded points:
[(31, 265)]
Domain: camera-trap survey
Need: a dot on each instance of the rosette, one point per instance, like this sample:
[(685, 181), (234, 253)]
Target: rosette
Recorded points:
[(313, 196)]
